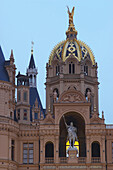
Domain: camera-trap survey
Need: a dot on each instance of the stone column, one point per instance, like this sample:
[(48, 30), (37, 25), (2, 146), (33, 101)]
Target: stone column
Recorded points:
[(56, 151), (88, 150), (42, 150)]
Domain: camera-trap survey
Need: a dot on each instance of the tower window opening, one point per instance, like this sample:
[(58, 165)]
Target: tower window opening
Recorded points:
[(19, 96), (71, 68), (86, 70), (30, 80), (18, 114), (11, 114), (25, 114), (35, 80), (36, 115), (25, 96), (12, 149), (57, 69)]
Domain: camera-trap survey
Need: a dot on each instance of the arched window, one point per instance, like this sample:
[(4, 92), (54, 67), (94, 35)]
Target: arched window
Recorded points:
[(71, 68), (49, 149), (57, 69), (95, 146), (35, 80), (30, 80), (86, 70)]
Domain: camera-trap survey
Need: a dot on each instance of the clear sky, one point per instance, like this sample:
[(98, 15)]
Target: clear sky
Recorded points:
[(45, 22)]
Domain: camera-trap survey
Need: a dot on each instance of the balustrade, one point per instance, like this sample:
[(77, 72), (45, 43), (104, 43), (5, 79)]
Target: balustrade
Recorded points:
[(95, 160), (49, 160)]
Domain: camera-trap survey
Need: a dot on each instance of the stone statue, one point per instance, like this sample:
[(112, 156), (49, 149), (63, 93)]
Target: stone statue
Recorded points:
[(88, 96), (72, 132), (71, 14), (55, 96)]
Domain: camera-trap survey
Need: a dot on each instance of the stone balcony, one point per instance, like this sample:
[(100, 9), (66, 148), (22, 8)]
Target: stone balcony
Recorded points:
[(80, 160)]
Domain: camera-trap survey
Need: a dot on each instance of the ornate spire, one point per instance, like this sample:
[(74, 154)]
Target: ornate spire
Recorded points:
[(71, 32)]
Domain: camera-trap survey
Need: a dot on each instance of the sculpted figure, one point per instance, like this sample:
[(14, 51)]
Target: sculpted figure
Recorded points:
[(71, 14), (72, 132), (55, 96), (88, 95)]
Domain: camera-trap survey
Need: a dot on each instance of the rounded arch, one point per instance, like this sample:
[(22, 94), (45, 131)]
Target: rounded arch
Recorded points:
[(79, 123), (95, 149), (75, 111), (49, 149)]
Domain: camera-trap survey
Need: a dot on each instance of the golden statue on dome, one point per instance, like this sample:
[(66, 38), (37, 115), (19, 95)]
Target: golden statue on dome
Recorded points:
[(71, 14)]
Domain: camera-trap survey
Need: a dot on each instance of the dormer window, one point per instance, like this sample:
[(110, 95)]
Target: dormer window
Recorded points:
[(71, 68), (57, 69), (86, 70)]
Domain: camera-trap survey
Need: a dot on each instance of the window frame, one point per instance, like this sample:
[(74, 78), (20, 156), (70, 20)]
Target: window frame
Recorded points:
[(24, 111), (25, 96), (71, 67), (28, 149)]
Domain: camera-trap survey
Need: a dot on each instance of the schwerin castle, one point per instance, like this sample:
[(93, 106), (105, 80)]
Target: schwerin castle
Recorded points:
[(69, 133)]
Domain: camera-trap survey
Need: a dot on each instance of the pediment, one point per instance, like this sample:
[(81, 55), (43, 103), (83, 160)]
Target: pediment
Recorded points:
[(49, 119), (96, 120), (71, 96)]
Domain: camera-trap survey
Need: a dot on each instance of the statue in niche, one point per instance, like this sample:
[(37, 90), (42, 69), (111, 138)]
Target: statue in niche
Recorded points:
[(55, 96), (88, 96), (72, 133)]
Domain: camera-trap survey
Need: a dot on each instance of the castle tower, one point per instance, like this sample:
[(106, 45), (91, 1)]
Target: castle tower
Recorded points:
[(23, 106), (7, 84), (72, 64)]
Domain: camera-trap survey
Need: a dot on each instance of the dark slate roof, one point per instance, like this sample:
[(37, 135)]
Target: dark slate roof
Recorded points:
[(32, 62), (33, 95), (3, 73)]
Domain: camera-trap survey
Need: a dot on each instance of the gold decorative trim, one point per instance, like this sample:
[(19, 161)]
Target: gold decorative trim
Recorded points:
[(53, 51), (89, 50)]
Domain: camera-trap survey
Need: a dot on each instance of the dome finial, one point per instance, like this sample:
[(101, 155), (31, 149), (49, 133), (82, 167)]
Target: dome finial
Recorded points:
[(71, 14), (71, 32), (32, 44)]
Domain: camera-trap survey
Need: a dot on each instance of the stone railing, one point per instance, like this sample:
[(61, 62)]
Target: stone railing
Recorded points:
[(81, 159), (63, 159), (95, 160), (49, 160), (109, 126)]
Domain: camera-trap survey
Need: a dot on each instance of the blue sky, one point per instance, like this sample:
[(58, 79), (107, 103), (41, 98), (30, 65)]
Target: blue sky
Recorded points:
[(45, 22)]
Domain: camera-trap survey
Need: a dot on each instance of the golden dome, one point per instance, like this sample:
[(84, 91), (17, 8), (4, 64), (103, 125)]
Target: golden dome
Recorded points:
[(65, 49)]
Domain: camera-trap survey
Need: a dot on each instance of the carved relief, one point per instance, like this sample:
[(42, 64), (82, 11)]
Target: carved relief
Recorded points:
[(72, 96)]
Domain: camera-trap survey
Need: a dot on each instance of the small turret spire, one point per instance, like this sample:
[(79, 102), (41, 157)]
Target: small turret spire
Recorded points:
[(71, 32), (32, 70), (11, 58), (32, 44)]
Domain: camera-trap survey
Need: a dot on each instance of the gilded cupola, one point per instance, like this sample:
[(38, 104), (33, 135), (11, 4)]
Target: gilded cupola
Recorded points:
[(71, 46)]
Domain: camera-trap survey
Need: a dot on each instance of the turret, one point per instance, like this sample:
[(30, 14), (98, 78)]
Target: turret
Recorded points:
[(32, 71), (23, 107)]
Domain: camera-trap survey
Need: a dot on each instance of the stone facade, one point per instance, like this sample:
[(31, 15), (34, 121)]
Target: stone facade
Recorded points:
[(35, 138)]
